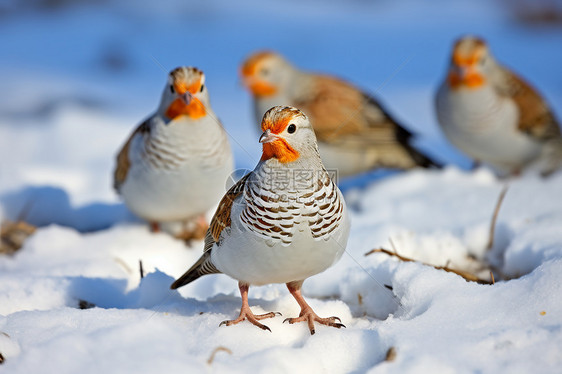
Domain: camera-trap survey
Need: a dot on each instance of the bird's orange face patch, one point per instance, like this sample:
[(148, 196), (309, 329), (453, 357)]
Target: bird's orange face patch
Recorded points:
[(464, 72), (195, 109), (279, 125), (471, 79), (250, 75), (279, 148), (252, 65), (261, 88), (182, 86)]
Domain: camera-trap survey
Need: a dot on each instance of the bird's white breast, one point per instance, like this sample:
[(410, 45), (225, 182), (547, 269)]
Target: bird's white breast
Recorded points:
[(484, 125), (177, 171)]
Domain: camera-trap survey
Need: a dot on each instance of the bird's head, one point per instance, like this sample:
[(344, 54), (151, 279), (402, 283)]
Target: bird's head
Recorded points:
[(470, 63), (287, 135), (185, 94), (265, 73)]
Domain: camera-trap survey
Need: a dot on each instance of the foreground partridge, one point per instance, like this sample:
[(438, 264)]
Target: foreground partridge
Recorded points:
[(282, 223), (493, 115), (174, 166), (355, 133)]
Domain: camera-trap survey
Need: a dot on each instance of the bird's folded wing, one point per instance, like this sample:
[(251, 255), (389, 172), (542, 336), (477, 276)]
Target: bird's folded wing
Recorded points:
[(338, 110), (123, 161), (221, 219), (535, 117)]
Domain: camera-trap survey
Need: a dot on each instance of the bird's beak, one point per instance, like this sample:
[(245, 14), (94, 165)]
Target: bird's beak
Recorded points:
[(186, 97), (267, 137), (462, 71)]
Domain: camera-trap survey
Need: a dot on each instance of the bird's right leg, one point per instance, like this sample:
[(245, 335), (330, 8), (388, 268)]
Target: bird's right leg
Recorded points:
[(154, 227), (246, 312)]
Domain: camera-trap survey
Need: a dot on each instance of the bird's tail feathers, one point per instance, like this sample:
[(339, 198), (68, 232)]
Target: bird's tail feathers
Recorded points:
[(203, 266), (422, 160)]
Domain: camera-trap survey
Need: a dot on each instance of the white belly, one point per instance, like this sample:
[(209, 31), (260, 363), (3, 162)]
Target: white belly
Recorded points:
[(173, 195), (245, 256), (484, 126)]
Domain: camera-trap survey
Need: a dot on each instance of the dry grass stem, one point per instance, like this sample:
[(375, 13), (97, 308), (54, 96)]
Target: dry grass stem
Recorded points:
[(215, 351), (466, 275), (495, 217), (13, 235), (390, 354)]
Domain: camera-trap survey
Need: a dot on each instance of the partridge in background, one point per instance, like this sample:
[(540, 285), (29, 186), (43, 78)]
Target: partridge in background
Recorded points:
[(174, 166), (355, 133), (493, 115), (282, 223)]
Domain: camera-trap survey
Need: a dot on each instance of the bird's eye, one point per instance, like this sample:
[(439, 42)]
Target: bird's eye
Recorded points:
[(264, 71), (172, 89), (482, 61), (202, 88), (292, 128)]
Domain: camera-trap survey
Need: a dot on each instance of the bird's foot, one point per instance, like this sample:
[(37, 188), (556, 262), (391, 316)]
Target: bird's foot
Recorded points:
[(246, 314), (194, 230), (309, 316), (154, 227)]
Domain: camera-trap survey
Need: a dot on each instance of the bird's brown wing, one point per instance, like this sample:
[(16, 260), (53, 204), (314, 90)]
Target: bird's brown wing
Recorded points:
[(221, 219), (334, 107), (344, 115), (337, 109), (535, 117), (123, 162)]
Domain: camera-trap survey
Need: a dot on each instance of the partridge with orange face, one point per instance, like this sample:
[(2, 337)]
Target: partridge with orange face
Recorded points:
[(274, 227), (355, 133), (174, 166), (493, 115)]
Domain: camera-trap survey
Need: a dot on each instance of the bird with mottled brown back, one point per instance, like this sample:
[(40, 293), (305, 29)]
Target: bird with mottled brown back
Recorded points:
[(355, 133), (493, 115)]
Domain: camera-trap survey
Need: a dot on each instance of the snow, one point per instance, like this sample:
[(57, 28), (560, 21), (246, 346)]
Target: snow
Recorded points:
[(76, 80)]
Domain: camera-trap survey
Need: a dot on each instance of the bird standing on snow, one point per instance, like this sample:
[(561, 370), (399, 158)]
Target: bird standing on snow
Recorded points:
[(355, 134), (494, 116), (282, 223), (175, 164)]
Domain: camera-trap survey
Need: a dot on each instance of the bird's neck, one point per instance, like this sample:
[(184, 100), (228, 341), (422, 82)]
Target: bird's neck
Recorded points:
[(291, 176)]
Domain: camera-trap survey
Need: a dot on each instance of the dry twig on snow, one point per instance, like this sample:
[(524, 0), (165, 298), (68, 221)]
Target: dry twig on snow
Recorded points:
[(466, 275), (213, 354)]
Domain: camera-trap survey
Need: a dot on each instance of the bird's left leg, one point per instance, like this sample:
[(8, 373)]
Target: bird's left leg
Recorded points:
[(154, 227), (246, 312), (307, 314)]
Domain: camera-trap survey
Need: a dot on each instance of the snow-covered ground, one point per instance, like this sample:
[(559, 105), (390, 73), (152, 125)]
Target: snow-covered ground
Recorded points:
[(77, 79)]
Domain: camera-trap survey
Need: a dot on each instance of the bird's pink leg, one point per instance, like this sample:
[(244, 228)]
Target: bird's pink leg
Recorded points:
[(154, 227), (246, 312), (307, 314)]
